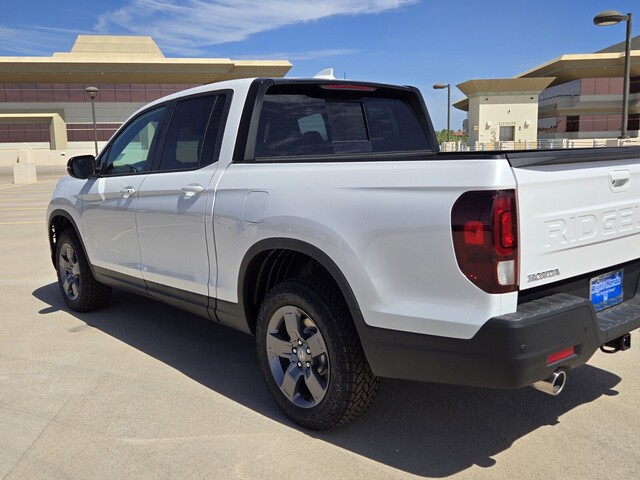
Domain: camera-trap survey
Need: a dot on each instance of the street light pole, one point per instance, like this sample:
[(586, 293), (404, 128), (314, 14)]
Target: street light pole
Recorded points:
[(613, 17), (627, 75), (440, 86), (93, 93)]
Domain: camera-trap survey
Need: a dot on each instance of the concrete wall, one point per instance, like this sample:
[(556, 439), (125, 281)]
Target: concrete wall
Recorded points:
[(473, 120), (494, 111), (9, 157)]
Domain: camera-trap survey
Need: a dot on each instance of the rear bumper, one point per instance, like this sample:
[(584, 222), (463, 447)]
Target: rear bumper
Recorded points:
[(508, 351)]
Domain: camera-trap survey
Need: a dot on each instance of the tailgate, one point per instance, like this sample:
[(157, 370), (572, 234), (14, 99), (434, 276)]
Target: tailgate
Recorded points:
[(579, 212)]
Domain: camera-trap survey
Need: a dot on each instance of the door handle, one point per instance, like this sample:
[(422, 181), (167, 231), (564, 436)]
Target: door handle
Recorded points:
[(191, 190), (619, 180), (127, 191)]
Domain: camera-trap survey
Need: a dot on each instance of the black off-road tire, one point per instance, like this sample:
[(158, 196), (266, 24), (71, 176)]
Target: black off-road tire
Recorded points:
[(341, 379), (80, 290)]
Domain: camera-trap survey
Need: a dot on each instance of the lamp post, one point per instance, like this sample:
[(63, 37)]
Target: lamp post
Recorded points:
[(613, 17), (93, 93), (440, 86)]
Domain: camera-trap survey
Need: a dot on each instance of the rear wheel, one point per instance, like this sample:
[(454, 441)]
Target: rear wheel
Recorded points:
[(80, 290), (310, 355)]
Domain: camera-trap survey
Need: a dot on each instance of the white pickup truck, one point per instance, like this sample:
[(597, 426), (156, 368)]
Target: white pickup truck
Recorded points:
[(319, 216)]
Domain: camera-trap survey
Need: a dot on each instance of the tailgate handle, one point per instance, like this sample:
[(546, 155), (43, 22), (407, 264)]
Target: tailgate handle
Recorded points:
[(619, 180)]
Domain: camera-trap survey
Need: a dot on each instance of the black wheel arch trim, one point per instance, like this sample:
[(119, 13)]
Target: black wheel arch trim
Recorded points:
[(67, 216), (305, 248)]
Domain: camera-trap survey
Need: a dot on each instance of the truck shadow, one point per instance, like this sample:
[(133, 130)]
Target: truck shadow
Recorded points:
[(429, 430)]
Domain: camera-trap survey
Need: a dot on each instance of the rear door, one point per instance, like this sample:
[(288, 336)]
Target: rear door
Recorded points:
[(175, 241), (579, 213)]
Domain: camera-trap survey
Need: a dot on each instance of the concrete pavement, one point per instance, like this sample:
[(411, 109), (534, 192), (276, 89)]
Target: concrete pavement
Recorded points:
[(142, 390)]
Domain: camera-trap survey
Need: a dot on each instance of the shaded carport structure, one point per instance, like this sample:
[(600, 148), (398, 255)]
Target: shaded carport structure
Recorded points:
[(57, 126)]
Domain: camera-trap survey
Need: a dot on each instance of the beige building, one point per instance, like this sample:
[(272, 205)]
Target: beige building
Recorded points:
[(576, 97), (43, 103), (585, 98), (502, 110)]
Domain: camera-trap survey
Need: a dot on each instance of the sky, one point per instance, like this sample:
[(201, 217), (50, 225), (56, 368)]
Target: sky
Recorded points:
[(408, 42)]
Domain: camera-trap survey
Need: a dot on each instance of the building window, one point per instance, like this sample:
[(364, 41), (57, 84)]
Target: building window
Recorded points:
[(547, 125), (75, 92), (634, 121), (568, 89), (573, 123), (12, 92), (634, 86), (24, 132), (507, 134)]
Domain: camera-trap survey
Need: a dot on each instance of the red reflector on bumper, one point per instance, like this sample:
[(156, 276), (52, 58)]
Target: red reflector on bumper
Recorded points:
[(561, 355)]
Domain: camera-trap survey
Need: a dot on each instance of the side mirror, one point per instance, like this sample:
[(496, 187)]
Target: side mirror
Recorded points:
[(82, 166)]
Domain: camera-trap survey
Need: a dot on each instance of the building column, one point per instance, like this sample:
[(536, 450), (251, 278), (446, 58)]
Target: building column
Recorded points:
[(58, 133)]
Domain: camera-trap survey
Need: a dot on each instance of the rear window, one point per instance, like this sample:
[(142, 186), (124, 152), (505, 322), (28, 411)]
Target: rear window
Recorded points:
[(319, 122)]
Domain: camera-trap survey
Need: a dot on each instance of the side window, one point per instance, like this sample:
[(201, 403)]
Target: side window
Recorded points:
[(185, 139), (131, 150), (215, 130)]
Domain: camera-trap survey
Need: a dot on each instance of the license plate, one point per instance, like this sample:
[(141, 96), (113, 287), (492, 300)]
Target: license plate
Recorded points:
[(606, 290)]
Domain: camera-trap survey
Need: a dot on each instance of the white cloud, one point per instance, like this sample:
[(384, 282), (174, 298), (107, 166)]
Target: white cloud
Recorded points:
[(184, 26), (297, 56), (29, 41)]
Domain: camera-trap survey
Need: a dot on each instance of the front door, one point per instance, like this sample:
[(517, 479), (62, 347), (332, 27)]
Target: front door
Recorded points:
[(110, 200)]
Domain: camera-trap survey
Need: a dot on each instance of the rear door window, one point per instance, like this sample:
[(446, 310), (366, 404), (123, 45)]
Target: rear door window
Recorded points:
[(193, 133)]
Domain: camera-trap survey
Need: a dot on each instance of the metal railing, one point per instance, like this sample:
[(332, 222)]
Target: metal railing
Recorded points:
[(546, 144)]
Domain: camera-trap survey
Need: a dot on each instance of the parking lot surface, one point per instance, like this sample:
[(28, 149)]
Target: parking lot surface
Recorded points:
[(142, 390)]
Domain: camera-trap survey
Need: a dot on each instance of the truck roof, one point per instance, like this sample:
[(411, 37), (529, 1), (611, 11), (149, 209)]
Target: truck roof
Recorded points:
[(243, 84)]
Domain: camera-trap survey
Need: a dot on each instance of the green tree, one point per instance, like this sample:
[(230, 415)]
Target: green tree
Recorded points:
[(442, 136)]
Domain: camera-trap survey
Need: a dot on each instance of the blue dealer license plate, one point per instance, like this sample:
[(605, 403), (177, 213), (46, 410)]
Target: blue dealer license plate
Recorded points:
[(606, 290)]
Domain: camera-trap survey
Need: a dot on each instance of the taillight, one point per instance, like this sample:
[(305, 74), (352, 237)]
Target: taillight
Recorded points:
[(485, 238)]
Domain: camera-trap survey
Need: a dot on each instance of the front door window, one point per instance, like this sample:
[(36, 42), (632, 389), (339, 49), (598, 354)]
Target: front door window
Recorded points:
[(132, 150)]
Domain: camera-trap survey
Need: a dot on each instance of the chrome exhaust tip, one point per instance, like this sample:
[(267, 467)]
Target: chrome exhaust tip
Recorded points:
[(552, 385)]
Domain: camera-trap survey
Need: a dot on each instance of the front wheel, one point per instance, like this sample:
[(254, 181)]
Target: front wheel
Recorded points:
[(310, 355), (80, 290)]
